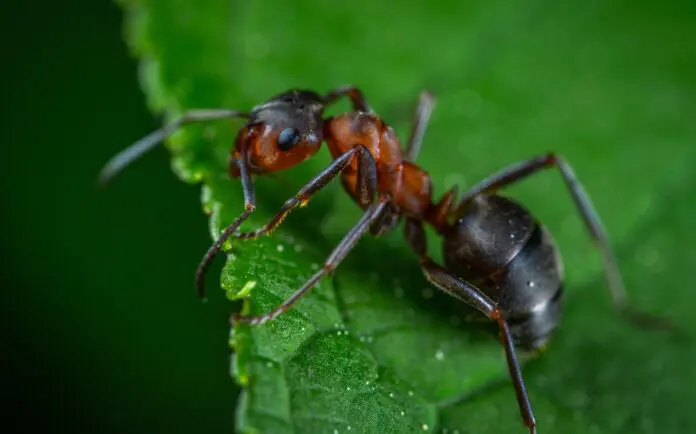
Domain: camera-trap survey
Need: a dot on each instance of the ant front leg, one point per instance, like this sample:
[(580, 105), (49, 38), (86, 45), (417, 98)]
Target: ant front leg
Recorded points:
[(249, 207), (147, 143), (367, 187), (355, 95), (518, 172), (447, 282), (349, 241)]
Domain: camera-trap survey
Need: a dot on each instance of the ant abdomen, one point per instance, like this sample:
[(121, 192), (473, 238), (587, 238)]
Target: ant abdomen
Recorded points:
[(497, 245)]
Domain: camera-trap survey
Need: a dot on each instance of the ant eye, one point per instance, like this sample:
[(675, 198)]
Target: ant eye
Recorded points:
[(288, 138)]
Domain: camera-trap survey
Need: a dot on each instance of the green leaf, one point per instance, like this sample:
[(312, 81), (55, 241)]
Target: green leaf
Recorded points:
[(376, 349)]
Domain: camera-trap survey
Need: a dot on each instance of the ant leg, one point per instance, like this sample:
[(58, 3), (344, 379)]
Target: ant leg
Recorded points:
[(387, 221), (424, 109), (450, 284), (249, 207), (519, 171), (464, 291), (367, 186), (437, 215), (117, 163), (353, 93), (340, 252)]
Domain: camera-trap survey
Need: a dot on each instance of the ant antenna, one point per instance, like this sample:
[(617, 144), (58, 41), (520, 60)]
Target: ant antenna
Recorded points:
[(121, 160)]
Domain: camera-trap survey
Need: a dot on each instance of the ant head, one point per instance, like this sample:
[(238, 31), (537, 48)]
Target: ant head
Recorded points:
[(285, 130)]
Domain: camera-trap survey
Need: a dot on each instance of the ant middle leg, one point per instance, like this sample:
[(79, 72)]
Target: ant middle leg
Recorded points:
[(449, 283), (118, 162), (421, 117), (518, 172), (349, 241), (390, 218)]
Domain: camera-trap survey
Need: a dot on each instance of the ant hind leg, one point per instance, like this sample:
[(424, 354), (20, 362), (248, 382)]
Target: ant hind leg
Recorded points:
[(447, 282), (518, 172)]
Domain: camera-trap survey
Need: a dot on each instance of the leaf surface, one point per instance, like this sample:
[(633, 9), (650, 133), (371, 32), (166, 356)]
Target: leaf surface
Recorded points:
[(376, 349)]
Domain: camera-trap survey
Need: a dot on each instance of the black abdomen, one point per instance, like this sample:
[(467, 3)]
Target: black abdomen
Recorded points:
[(499, 246)]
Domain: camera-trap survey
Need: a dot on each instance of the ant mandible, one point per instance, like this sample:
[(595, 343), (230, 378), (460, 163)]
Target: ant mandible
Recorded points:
[(499, 259)]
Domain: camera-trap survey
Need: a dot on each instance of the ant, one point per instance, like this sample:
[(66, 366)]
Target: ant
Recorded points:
[(498, 258)]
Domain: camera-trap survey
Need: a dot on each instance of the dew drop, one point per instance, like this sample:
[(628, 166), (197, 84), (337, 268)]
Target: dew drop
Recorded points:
[(348, 388), (440, 355), (269, 364), (530, 284), (280, 247), (403, 413), (369, 339), (425, 427), (391, 394), (335, 431), (350, 427), (410, 393)]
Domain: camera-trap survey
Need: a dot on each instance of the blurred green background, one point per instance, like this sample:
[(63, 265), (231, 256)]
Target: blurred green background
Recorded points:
[(98, 286), (101, 328)]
